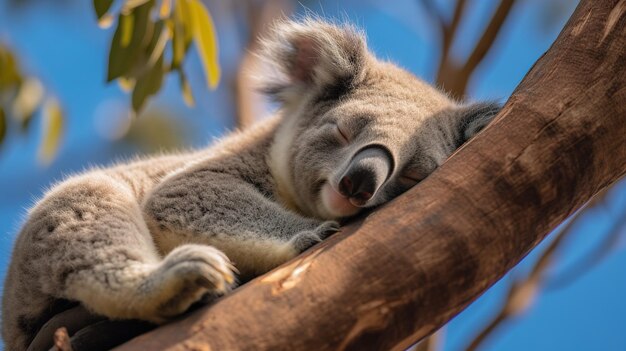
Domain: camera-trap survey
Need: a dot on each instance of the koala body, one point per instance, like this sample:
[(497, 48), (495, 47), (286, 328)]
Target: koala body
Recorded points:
[(147, 239)]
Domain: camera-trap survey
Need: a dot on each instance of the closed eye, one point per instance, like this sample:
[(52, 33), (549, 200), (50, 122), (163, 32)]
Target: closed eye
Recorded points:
[(408, 181), (410, 178), (341, 135)]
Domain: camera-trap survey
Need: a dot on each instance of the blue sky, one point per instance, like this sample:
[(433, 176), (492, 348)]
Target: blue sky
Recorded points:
[(63, 46)]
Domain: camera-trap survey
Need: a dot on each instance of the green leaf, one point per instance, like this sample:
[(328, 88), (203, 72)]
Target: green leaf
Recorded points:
[(178, 41), (206, 41), (127, 23), (3, 124), (147, 85), (29, 96), (52, 129), (123, 57), (102, 7), (10, 75), (150, 79), (182, 32), (131, 4), (186, 89), (159, 41)]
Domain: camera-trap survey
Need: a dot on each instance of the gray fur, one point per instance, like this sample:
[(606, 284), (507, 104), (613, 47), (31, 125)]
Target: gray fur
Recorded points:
[(147, 239)]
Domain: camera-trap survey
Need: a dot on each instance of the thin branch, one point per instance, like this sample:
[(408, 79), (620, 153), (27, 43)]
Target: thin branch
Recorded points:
[(449, 33), (259, 14), (489, 36), (455, 77), (487, 330), (522, 292), (591, 259), (431, 8)]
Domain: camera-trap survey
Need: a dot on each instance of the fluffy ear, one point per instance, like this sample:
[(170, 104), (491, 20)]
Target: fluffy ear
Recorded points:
[(312, 56), (474, 117)]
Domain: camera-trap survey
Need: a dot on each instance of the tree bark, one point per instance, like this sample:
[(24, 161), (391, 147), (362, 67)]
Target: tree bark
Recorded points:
[(404, 270)]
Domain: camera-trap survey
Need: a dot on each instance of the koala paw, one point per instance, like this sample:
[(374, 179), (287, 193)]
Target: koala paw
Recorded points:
[(306, 239), (189, 274)]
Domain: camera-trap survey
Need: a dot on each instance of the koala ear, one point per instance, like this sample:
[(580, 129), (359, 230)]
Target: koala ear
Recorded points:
[(472, 118), (312, 56)]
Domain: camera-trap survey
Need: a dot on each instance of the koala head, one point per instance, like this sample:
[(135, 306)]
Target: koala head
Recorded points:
[(355, 131)]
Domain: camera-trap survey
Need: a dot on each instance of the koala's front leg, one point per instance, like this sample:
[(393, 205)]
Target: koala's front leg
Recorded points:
[(224, 211)]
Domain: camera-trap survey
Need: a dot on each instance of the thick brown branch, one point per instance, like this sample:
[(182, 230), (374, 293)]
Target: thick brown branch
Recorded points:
[(406, 269)]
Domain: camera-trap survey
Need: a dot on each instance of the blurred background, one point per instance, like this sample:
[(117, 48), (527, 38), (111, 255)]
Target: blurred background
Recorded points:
[(59, 115)]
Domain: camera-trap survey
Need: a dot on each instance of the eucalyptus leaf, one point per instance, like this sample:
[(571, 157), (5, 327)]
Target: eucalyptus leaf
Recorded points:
[(150, 79), (162, 36), (29, 97), (52, 131), (182, 32), (132, 4), (186, 89), (186, 20), (204, 36), (102, 7), (178, 39), (147, 85), (123, 58), (10, 75), (127, 24)]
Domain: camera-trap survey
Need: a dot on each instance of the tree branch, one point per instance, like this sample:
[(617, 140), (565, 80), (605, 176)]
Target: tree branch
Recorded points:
[(259, 14), (488, 38), (448, 35), (522, 292), (592, 258), (453, 77)]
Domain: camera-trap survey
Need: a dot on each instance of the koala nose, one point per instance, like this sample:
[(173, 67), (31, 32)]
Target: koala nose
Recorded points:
[(359, 191), (365, 174)]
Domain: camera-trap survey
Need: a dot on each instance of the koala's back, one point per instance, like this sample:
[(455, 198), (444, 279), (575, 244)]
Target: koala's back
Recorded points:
[(35, 277)]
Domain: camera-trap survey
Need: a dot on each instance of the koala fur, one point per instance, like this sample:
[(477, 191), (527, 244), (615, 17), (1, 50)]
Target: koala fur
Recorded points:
[(147, 239)]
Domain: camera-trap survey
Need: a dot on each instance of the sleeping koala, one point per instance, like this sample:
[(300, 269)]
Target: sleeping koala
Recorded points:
[(147, 239)]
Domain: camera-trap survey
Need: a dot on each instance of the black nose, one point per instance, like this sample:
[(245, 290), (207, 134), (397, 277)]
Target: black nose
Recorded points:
[(367, 171), (359, 188)]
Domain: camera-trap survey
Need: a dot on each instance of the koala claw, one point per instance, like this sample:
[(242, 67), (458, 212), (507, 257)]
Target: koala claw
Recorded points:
[(306, 239), (327, 229), (190, 274)]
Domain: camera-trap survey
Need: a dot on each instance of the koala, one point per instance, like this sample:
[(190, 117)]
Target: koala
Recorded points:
[(149, 238)]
